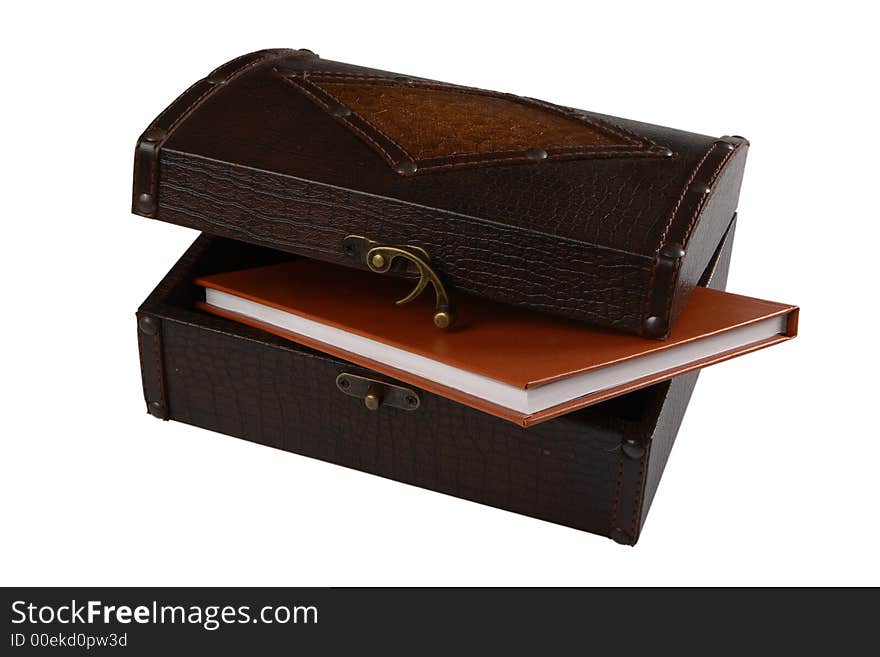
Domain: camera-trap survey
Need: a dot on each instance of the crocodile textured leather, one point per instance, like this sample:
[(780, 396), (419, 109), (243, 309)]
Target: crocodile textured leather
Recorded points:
[(595, 470), (616, 236)]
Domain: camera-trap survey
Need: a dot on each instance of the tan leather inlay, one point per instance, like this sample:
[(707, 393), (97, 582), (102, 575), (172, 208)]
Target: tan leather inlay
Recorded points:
[(430, 122)]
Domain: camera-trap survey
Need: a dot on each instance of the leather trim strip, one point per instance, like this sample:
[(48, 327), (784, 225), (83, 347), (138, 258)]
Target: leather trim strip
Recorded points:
[(152, 374), (667, 263), (626, 511)]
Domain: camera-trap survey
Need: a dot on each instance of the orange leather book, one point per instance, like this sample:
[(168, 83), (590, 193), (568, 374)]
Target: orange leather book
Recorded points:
[(520, 365)]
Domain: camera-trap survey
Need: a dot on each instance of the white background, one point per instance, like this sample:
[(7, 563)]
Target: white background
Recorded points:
[(775, 475)]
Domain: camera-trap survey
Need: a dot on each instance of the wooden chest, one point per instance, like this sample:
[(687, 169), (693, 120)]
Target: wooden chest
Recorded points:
[(280, 154)]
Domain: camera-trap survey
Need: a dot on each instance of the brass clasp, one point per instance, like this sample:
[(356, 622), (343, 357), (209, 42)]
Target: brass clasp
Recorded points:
[(381, 258), (375, 393)]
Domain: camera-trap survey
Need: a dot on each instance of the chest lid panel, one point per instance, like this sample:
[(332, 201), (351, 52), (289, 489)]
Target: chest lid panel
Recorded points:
[(594, 218)]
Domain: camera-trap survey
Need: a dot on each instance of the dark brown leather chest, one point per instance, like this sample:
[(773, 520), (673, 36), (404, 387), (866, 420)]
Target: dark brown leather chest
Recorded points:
[(280, 154)]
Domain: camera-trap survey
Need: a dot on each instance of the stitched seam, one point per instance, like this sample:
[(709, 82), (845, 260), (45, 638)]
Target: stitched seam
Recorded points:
[(404, 153), (302, 86), (693, 221), (617, 487), (705, 201), (363, 133), (137, 168), (637, 501), (143, 371), (307, 83), (670, 289), (154, 172), (229, 63), (165, 111), (158, 352), (646, 307), (402, 150), (426, 165), (599, 124), (613, 148), (232, 62), (211, 89), (189, 109), (550, 149), (683, 195)]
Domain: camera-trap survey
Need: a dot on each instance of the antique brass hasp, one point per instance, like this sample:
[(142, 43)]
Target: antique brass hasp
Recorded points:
[(384, 258)]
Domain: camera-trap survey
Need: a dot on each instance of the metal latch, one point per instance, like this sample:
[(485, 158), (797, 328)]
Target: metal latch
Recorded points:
[(376, 393), (383, 258)]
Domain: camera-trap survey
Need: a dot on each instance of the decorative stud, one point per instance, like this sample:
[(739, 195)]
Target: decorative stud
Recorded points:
[(672, 250), (536, 154), (157, 409), (725, 144), (340, 110), (633, 449), (442, 319), (148, 325), (655, 326), (668, 153), (621, 536), (406, 167), (219, 77), (146, 203), (378, 261), (154, 134)]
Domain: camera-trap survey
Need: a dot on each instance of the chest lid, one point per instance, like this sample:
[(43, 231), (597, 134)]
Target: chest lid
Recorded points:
[(598, 219)]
